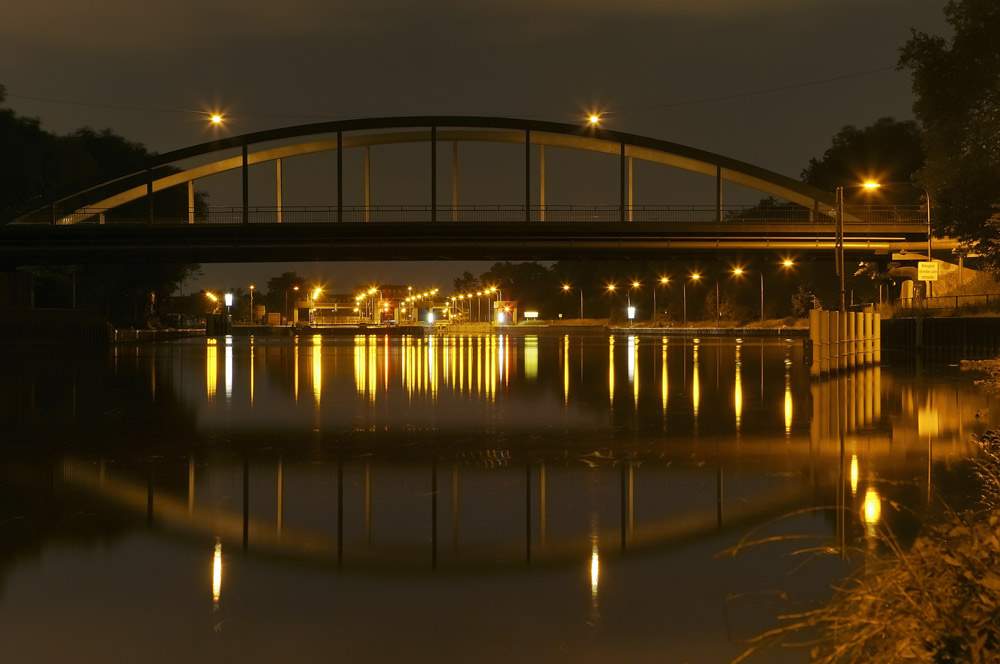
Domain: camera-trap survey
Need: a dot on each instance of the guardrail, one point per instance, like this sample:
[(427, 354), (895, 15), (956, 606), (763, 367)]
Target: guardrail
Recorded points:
[(951, 301), (731, 215)]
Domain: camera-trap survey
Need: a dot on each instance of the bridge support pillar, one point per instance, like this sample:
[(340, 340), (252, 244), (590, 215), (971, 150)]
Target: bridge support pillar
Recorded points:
[(454, 180), (824, 342), (368, 183), (541, 184), (277, 186)]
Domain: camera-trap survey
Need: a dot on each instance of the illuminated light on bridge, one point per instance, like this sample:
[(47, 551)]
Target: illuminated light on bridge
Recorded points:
[(216, 119)]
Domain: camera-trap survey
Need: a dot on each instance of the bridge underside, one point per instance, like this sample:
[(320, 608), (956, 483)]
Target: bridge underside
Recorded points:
[(447, 241)]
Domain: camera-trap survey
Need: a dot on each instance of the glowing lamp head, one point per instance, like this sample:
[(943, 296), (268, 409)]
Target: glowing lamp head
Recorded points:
[(787, 263), (229, 299), (635, 284), (738, 271), (871, 185), (664, 280), (594, 119), (216, 118), (565, 287), (696, 276)]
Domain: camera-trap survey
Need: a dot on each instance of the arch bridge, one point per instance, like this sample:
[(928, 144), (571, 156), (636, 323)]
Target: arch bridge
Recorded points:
[(102, 224)]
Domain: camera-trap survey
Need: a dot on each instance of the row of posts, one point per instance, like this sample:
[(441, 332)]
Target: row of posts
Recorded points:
[(844, 340)]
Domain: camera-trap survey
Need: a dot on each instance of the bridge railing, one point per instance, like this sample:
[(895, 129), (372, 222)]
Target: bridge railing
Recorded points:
[(733, 215)]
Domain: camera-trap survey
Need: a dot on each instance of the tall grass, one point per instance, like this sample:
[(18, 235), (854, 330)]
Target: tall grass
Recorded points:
[(936, 601)]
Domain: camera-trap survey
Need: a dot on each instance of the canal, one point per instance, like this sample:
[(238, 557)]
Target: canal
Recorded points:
[(453, 498)]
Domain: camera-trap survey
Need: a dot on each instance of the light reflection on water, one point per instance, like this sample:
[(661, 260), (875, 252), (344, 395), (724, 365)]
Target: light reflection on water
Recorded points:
[(449, 455)]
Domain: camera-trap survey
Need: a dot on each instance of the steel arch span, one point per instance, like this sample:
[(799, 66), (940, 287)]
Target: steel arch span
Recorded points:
[(434, 129)]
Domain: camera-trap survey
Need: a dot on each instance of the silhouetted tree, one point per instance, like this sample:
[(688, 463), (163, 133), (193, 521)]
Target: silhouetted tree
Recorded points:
[(957, 84)]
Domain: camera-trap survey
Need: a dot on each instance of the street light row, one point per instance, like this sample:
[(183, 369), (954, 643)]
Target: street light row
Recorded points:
[(663, 281)]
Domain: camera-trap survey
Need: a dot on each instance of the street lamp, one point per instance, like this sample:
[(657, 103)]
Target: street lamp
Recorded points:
[(738, 271), (694, 277), (663, 282), (628, 298), (252, 318), (228, 298), (927, 197), (294, 288), (567, 288)]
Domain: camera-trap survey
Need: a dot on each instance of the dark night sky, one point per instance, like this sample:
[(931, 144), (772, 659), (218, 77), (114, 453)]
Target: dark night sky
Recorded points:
[(141, 68)]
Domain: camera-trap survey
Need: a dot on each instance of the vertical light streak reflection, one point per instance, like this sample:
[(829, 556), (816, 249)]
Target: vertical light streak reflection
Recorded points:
[(565, 363), (432, 367), (695, 383), (359, 367), (595, 571), (371, 350), (479, 366), (317, 368), (664, 382), (738, 386), (854, 474), (461, 366), (229, 368), (251, 370), (633, 361), (502, 353), (295, 362), (611, 371), (217, 573), (531, 358), (211, 369), (788, 398), (385, 364), (871, 511)]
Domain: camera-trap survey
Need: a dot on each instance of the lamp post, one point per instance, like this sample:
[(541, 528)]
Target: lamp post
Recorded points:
[(252, 321), (927, 197), (567, 288), (294, 288), (663, 281), (628, 297), (694, 277), (738, 271)]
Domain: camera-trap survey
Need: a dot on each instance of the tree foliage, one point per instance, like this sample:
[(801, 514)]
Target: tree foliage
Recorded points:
[(39, 167), (957, 84), (886, 151)]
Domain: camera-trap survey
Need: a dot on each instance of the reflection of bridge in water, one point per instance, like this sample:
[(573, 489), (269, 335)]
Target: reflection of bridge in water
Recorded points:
[(455, 504)]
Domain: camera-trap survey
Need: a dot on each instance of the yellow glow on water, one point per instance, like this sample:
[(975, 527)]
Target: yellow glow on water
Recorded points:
[(531, 358), (317, 368), (211, 369), (229, 368), (695, 384), (871, 512), (251, 370), (359, 367), (854, 474), (595, 570), (611, 371), (565, 361), (634, 368), (217, 572), (663, 375), (738, 390), (788, 402), (295, 376)]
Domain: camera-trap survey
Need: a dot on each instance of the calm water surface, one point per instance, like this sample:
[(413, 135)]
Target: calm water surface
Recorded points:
[(490, 499)]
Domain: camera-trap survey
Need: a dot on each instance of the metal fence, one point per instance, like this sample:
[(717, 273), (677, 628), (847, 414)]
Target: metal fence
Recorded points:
[(855, 216), (984, 300)]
